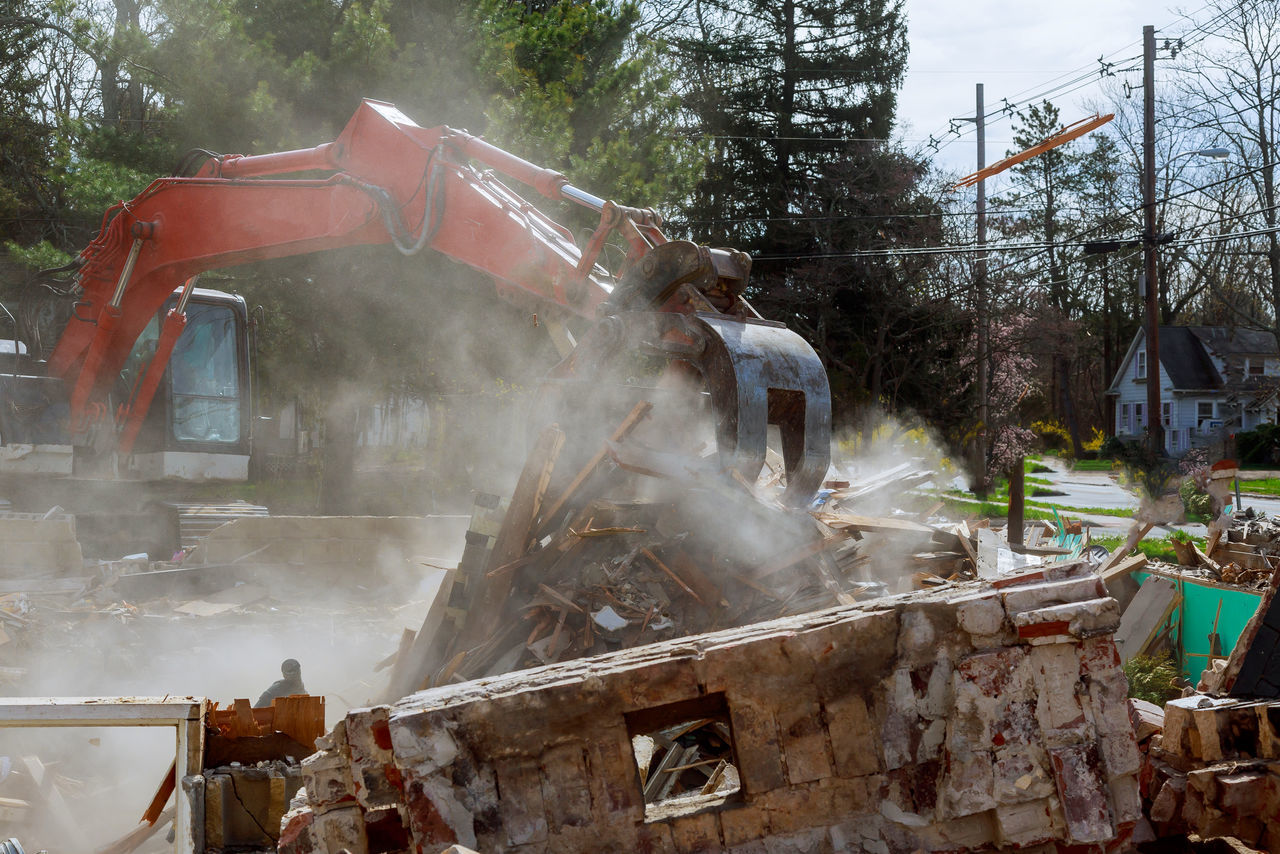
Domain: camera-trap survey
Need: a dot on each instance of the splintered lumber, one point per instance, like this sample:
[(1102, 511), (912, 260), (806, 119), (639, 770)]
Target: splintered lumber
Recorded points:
[(1150, 609), (163, 793), (1123, 568), (514, 536), (671, 573), (1136, 533), (132, 840), (637, 414)]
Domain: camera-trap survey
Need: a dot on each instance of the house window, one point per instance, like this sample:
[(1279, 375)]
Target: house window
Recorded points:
[(1204, 410), (1166, 414), (1140, 365), (1126, 418), (1255, 367), (1140, 415)]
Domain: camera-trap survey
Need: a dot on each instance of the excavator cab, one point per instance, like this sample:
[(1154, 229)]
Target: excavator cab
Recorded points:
[(198, 426)]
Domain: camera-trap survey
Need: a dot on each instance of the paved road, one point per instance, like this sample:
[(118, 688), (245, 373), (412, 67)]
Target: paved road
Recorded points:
[(1085, 489)]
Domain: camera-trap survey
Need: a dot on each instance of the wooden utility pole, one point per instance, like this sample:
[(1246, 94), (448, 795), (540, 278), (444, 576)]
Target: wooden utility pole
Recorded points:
[(981, 291), (1151, 279)]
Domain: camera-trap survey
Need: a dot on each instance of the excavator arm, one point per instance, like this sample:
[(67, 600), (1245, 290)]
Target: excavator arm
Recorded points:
[(388, 180)]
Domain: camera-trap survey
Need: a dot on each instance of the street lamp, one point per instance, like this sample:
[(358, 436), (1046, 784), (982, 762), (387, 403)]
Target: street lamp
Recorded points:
[(1216, 153)]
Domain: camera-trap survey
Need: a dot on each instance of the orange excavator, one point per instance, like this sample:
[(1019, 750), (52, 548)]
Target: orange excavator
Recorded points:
[(139, 322)]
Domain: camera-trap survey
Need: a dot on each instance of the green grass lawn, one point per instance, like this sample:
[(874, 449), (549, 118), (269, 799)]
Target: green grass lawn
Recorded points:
[(1092, 465), (1155, 548), (1263, 486)]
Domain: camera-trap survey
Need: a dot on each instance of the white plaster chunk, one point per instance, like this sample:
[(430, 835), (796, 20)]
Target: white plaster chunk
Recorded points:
[(427, 748), (982, 617)]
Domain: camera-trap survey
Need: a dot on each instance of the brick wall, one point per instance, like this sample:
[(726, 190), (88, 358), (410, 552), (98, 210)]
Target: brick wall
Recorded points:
[(975, 716)]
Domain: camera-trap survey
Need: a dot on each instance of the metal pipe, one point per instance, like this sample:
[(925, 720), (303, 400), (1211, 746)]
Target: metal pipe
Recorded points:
[(582, 197), (126, 272)]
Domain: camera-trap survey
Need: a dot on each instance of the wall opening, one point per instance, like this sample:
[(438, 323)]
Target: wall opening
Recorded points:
[(685, 756)]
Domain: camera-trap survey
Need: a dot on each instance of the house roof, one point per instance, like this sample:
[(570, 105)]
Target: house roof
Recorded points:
[(1228, 340), (1185, 360), (1186, 354)]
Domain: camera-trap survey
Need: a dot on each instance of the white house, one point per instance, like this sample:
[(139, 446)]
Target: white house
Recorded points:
[(1214, 380)]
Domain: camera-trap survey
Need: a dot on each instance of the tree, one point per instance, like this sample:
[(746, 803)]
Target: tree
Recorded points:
[(1230, 77)]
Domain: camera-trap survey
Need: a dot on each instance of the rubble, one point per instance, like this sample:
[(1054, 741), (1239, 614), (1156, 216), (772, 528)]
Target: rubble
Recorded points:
[(981, 714)]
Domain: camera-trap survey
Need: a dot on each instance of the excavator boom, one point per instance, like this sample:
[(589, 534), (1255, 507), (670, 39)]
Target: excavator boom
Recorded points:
[(387, 180)]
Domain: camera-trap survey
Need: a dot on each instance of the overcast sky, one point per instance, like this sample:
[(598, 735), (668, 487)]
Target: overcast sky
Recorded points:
[(1015, 49)]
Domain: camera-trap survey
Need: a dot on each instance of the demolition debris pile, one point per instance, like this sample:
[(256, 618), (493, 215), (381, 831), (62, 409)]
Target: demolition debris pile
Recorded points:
[(634, 546)]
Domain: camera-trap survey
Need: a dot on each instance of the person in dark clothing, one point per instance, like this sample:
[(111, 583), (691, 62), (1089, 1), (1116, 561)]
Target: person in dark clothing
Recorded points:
[(290, 684)]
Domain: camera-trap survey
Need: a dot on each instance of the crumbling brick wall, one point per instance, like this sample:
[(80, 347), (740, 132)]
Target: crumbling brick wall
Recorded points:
[(977, 716), (1215, 770)]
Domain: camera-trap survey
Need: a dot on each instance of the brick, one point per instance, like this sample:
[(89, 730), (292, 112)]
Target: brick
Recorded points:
[(968, 786), (982, 616), (1242, 794), (1167, 805), (327, 778), (696, 834), (1120, 755), (802, 736), (565, 785), (1020, 774), (757, 746), (436, 817), (1028, 823), (1109, 702), (854, 745), (1126, 802), (1057, 678), (614, 778), (373, 769), (1033, 597), (1077, 772), (523, 815), (743, 824)]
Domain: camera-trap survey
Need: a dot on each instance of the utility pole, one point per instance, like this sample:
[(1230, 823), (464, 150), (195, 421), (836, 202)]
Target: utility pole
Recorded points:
[(981, 289), (1151, 287)]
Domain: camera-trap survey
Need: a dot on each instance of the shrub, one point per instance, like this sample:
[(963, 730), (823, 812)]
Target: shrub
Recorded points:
[(1194, 499), (1152, 678), (1052, 435)]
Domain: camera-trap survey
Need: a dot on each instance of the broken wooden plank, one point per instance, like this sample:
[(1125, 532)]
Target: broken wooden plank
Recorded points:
[(163, 792), (671, 573), (638, 413), (790, 558), (1151, 607), (133, 840), (1124, 567), (514, 537)]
